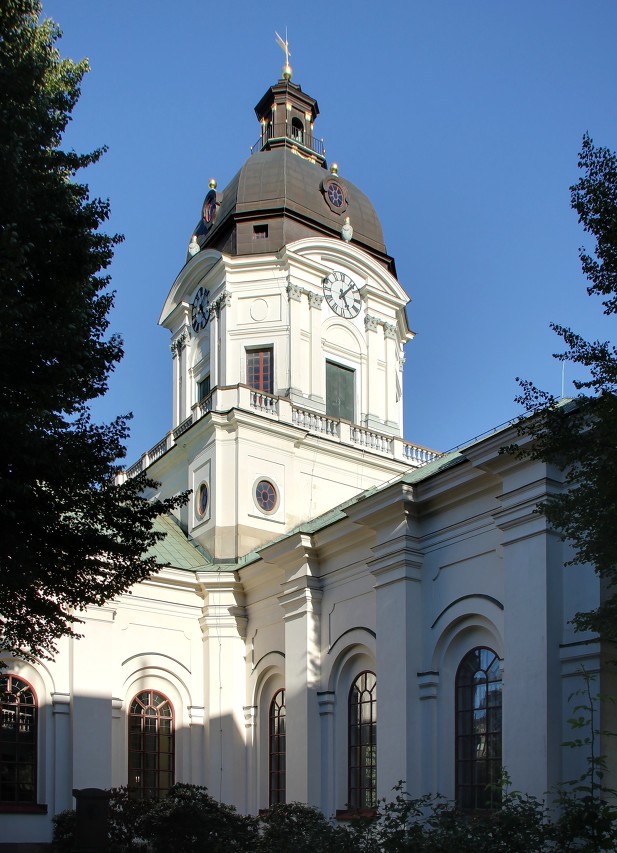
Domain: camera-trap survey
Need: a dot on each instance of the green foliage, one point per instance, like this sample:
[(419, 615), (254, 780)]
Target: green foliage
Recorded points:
[(69, 535), (189, 819), (587, 818), (581, 438), (297, 828), (64, 830)]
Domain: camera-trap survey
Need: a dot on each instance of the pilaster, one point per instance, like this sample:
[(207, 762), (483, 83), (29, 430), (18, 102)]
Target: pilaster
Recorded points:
[(391, 342), (373, 391), (396, 567), (327, 702), (223, 625), (301, 604), (296, 380), (251, 787), (197, 744), (91, 700), (533, 569), (61, 710), (316, 387)]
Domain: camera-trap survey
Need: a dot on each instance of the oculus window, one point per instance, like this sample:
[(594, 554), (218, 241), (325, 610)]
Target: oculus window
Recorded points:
[(266, 496), (201, 500)]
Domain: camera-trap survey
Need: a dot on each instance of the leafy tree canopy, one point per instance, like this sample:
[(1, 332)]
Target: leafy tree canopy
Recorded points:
[(580, 438), (69, 535)]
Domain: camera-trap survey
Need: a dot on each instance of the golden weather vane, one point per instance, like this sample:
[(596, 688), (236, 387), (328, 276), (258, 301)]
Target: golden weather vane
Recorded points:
[(284, 45)]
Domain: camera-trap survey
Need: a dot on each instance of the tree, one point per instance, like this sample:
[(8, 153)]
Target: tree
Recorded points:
[(580, 437), (70, 536)]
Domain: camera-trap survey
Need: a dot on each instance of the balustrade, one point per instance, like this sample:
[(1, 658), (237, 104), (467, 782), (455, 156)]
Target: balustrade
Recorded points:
[(281, 408)]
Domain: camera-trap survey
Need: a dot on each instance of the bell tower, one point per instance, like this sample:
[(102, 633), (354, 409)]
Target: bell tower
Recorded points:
[(287, 328)]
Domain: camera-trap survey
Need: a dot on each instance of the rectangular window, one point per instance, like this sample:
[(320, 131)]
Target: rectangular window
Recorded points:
[(339, 391), (259, 369), (260, 232), (203, 388)]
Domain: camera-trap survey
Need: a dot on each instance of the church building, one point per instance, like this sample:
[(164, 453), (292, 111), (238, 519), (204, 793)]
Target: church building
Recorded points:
[(338, 608)]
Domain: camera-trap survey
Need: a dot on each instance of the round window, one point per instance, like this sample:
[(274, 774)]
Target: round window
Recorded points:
[(201, 500), (265, 496)]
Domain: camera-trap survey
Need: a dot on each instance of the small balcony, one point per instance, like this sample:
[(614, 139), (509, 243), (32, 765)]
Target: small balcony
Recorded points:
[(291, 135)]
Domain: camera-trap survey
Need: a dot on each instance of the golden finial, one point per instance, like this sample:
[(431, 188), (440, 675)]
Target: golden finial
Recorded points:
[(284, 45), (334, 169), (212, 184)]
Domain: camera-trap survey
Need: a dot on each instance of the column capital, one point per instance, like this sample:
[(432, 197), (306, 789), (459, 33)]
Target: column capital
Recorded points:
[(197, 714), (326, 701), (301, 598), (389, 331), (61, 703), (428, 682), (221, 301), (314, 299), (223, 611), (250, 715), (294, 292), (371, 323)]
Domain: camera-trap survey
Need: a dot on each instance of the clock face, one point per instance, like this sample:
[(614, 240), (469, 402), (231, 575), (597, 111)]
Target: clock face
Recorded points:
[(199, 311), (342, 294)]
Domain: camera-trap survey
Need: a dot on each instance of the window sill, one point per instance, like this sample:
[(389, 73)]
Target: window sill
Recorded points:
[(356, 814), (23, 808)]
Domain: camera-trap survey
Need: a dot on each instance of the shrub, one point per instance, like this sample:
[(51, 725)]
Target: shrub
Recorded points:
[(189, 819)]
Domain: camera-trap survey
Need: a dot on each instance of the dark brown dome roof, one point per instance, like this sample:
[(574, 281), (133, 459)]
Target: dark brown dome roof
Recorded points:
[(281, 193)]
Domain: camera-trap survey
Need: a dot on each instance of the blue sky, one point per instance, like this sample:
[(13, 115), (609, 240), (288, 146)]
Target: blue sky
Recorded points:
[(460, 119)]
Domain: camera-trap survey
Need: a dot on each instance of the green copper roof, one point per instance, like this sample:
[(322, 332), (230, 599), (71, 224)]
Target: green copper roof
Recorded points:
[(175, 549)]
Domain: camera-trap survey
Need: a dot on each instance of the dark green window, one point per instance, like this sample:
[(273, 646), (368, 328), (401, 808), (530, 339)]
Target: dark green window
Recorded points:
[(203, 388), (339, 391)]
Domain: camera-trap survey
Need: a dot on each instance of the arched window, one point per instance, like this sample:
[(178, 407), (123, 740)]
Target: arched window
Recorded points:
[(151, 745), (297, 130), (362, 760), (18, 740), (478, 730), (276, 748)]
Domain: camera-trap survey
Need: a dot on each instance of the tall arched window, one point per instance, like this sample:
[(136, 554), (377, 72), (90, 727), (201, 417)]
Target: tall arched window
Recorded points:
[(478, 730), (151, 745), (18, 740), (362, 760), (276, 748)]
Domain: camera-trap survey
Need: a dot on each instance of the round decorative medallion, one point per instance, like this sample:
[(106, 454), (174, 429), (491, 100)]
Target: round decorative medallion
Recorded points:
[(208, 210), (201, 500), (335, 194), (266, 496), (259, 310)]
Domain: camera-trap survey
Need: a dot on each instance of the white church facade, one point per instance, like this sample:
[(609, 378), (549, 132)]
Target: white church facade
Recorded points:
[(338, 608)]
